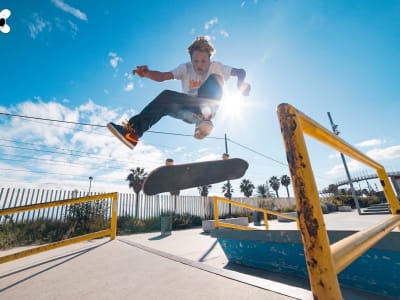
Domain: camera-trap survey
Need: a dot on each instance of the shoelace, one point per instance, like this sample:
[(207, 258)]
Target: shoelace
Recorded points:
[(202, 118), (127, 126)]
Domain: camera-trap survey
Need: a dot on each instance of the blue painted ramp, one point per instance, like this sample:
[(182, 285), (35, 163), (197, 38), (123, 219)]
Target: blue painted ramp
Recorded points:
[(376, 271)]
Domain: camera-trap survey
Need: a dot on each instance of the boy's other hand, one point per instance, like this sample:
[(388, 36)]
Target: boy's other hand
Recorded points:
[(142, 71), (244, 88)]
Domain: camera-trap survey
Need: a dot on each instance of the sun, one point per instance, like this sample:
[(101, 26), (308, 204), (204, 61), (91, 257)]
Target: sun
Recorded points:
[(233, 105)]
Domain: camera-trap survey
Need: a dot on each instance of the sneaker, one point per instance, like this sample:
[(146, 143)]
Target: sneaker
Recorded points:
[(124, 133), (203, 129)]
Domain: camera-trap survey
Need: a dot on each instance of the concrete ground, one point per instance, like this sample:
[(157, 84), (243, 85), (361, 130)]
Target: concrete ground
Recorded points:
[(188, 264)]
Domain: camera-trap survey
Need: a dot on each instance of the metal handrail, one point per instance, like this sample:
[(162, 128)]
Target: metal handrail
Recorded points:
[(324, 261), (266, 212), (112, 231)]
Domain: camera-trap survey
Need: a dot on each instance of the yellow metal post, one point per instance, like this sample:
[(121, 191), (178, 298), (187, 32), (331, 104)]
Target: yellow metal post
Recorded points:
[(320, 265), (266, 220), (216, 214), (114, 216), (389, 192)]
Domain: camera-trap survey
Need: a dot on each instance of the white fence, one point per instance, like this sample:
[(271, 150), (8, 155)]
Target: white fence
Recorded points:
[(147, 206)]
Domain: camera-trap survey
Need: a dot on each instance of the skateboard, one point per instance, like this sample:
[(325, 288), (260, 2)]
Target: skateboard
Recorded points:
[(184, 176)]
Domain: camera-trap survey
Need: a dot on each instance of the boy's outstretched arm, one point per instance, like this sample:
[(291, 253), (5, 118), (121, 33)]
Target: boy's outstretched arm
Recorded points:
[(241, 84), (143, 71)]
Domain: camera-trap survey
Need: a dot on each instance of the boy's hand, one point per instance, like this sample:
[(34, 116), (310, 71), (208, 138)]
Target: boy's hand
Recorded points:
[(244, 88), (142, 71)]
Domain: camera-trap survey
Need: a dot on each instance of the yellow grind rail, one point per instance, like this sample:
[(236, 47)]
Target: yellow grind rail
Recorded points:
[(112, 231), (266, 212), (325, 261)]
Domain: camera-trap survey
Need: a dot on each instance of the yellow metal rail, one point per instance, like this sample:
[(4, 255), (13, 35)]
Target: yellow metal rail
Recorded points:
[(266, 212), (325, 261), (112, 231)]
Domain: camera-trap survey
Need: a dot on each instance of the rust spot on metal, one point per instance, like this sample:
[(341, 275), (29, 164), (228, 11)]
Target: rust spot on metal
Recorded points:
[(321, 283), (382, 183), (306, 210), (312, 263)]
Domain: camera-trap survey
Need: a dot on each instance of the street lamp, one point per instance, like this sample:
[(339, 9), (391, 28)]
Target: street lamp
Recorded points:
[(90, 183), (353, 191)]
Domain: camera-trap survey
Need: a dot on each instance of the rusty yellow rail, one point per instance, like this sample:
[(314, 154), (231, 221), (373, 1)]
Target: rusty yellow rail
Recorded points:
[(325, 261), (112, 231), (266, 212)]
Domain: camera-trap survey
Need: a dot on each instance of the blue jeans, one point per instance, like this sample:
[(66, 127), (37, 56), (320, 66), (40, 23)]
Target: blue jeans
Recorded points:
[(180, 105)]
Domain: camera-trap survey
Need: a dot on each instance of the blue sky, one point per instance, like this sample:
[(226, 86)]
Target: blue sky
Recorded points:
[(71, 60)]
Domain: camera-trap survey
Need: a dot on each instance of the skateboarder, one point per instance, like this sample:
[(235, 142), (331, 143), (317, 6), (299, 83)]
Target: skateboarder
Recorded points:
[(202, 81)]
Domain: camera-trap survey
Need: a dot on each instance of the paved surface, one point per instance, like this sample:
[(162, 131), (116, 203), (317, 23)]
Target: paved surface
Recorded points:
[(185, 265)]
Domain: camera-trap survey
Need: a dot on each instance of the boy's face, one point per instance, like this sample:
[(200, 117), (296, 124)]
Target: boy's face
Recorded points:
[(200, 62)]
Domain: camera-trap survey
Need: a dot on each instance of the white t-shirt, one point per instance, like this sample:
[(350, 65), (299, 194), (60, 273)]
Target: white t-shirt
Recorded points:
[(191, 81)]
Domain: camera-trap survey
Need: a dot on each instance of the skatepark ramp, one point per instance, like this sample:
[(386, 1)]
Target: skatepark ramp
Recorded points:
[(112, 231), (325, 261)]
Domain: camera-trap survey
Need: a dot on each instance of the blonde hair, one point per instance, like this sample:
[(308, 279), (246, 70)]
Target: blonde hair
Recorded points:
[(201, 43)]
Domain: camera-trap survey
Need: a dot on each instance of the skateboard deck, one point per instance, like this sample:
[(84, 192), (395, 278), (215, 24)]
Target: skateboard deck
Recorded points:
[(184, 176)]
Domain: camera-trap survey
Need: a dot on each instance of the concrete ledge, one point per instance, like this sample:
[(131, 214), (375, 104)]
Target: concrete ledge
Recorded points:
[(344, 208), (292, 213), (209, 225)]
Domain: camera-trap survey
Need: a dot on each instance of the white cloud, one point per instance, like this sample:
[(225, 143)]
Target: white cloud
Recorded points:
[(378, 155), (73, 28), (371, 143), (129, 76), (71, 10), (224, 33), (114, 59), (210, 23), (352, 166), (388, 153), (243, 3), (38, 25), (334, 155), (128, 87), (45, 154)]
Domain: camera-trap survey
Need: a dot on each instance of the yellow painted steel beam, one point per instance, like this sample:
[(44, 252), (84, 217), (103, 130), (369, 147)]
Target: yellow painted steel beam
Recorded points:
[(320, 265), (114, 216), (55, 245), (270, 212), (111, 232), (325, 136), (17, 209), (266, 220), (390, 195), (216, 213), (234, 226), (350, 248)]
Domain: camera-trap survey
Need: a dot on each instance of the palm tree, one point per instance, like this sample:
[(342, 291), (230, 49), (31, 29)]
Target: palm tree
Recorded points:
[(136, 179), (203, 190), (285, 181), (275, 184), (246, 187), (227, 189), (262, 190)]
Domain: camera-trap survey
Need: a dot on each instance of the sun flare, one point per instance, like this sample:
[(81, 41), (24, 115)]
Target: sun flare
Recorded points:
[(233, 105)]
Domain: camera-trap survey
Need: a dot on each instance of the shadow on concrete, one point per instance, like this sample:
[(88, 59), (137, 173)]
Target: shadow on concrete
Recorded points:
[(159, 237), (64, 259), (273, 276), (208, 251)]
